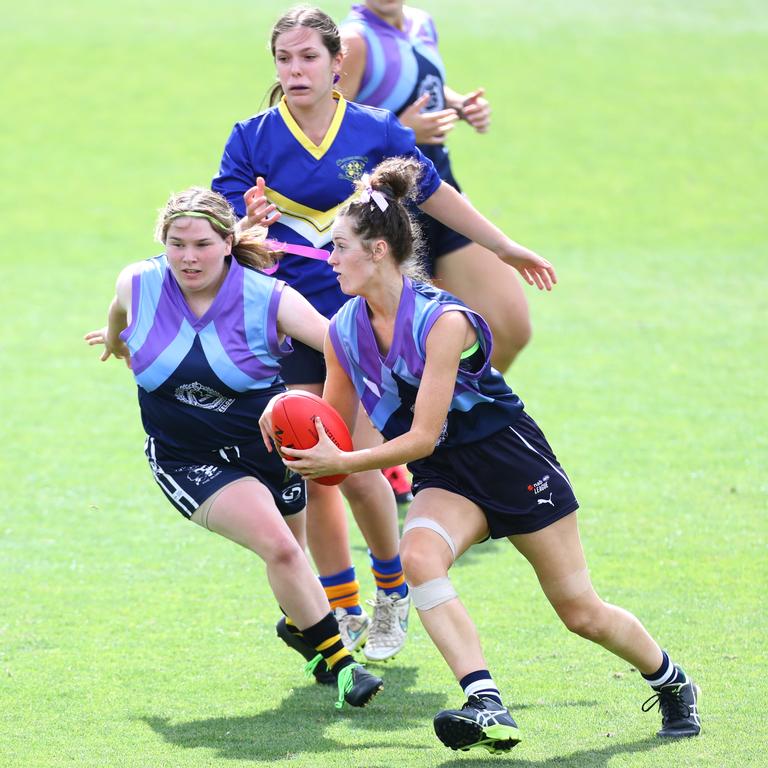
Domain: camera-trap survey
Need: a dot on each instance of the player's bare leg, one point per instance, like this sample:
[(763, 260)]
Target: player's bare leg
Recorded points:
[(556, 555), (245, 512), (440, 526), (483, 282)]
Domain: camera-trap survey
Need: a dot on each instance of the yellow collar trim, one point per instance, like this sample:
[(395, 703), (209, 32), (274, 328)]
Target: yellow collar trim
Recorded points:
[(316, 150), (320, 220)]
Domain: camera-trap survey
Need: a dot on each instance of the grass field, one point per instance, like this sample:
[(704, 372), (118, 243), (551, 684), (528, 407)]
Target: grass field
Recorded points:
[(628, 146)]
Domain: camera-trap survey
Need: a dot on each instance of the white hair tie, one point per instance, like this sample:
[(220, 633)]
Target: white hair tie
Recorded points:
[(369, 194)]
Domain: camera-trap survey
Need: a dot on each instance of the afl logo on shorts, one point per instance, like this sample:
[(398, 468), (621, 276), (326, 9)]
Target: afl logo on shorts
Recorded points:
[(540, 485), (200, 396)]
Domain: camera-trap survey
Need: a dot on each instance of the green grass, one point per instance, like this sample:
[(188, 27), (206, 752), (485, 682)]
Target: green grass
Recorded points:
[(628, 146)]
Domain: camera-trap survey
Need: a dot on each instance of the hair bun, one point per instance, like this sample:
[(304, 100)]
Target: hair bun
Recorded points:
[(385, 190), (397, 178)]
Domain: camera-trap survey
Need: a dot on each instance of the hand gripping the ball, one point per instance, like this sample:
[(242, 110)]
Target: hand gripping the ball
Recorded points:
[(323, 463), (291, 422)]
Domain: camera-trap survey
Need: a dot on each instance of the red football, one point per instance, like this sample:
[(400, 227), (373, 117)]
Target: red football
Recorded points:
[(294, 426)]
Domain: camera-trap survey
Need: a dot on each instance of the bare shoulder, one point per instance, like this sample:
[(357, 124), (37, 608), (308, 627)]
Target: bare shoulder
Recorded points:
[(452, 321), (351, 38), (296, 317), (124, 283), (291, 300), (354, 48), (451, 334)]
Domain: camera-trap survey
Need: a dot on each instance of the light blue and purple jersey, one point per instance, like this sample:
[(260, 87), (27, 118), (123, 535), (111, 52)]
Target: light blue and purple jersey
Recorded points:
[(401, 66), (387, 385), (203, 381)]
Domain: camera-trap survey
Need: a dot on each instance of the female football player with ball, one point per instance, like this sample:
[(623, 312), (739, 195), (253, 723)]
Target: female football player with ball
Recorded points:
[(295, 164), (418, 359), (203, 331)]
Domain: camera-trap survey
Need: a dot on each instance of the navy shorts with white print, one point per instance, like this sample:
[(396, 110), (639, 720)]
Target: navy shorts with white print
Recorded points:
[(188, 479), (512, 475)]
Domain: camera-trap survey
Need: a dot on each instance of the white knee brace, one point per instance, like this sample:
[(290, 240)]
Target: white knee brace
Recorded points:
[(426, 522), (432, 593)]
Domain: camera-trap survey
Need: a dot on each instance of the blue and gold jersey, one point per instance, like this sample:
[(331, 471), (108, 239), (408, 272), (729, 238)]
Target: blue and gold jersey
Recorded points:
[(401, 65), (308, 183), (204, 381), (388, 384)]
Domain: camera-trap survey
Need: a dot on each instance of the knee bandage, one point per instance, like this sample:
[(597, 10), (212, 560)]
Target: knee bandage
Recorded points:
[(432, 593), (425, 522)]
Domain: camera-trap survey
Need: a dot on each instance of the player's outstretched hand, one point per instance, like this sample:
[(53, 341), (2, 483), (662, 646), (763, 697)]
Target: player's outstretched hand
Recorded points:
[(429, 127), (259, 212), (116, 349), (476, 110), (535, 269)]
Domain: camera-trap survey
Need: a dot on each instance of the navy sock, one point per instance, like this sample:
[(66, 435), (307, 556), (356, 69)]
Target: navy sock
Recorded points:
[(480, 683), (666, 674)]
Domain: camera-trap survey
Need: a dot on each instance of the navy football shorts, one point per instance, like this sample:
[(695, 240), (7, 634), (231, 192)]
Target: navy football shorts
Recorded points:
[(189, 478), (512, 475)]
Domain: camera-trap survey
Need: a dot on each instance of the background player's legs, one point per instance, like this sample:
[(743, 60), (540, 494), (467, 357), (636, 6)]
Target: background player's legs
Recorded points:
[(375, 511), (298, 526), (369, 497), (483, 282), (245, 513), (556, 555), (327, 536), (327, 533)]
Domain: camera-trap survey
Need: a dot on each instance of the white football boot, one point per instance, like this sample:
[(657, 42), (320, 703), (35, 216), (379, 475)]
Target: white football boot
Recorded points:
[(389, 626)]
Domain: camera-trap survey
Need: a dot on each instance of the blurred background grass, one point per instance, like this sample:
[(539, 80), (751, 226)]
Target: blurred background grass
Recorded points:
[(628, 147)]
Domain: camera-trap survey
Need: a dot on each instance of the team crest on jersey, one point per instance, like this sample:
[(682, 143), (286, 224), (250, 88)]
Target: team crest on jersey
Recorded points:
[(434, 87), (352, 168), (200, 396)]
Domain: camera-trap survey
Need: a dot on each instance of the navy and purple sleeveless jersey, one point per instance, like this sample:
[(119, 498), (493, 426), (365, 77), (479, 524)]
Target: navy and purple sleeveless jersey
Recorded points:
[(203, 382), (309, 183), (401, 66), (387, 385)]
